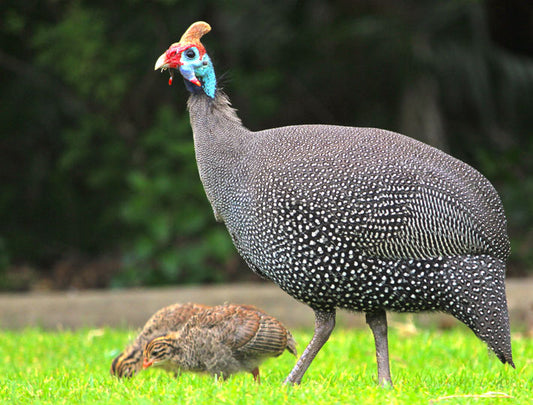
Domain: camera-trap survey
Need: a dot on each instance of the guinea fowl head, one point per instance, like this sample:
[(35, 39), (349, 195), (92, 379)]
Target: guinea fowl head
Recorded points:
[(161, 350), (188, 56)]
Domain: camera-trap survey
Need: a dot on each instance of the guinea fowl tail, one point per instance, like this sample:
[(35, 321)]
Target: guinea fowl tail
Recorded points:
[(477, 298)]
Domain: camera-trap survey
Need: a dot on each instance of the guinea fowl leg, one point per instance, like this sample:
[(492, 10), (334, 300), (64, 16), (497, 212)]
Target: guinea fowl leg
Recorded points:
[(377, 321), (324, 324)]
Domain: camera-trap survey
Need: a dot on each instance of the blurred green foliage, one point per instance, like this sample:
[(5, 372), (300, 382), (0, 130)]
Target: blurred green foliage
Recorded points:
[(96, 154), (167, 209)]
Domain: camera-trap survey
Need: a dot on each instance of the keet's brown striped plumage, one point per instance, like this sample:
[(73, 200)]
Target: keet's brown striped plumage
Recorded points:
[(222, 341), (169, 318)]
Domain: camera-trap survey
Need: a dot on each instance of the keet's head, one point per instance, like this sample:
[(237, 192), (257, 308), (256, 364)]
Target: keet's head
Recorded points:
[(126, 364), (189, 57), (161, 351)]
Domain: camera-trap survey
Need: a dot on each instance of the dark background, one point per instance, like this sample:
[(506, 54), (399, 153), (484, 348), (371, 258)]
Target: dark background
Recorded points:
[(99, 186)]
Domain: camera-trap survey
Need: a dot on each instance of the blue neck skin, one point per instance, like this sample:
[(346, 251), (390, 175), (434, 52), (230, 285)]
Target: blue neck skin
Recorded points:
[(206, 74)]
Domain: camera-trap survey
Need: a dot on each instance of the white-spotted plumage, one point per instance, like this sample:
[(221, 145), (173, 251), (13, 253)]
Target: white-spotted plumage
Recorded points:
[(358, 218)]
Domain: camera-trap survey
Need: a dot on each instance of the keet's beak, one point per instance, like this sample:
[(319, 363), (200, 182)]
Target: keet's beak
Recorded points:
[(161, 62), (147, 363)]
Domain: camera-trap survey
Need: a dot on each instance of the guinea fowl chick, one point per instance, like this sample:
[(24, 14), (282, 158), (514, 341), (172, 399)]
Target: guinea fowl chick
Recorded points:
[(221, 341), (170, 318)]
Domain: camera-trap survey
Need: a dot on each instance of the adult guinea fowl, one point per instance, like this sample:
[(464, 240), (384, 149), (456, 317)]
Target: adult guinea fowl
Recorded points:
[(170, 318), (222, 341), (357, 218)]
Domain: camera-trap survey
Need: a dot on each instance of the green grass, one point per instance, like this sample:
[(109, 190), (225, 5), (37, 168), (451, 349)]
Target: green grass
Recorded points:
[(73, 368)]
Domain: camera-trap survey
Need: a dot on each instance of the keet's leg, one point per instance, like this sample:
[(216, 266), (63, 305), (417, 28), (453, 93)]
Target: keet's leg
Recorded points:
[(255, 373)]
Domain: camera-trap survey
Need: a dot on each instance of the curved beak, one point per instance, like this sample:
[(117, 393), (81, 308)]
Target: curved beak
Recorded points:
[(161, 62), (147, 363)]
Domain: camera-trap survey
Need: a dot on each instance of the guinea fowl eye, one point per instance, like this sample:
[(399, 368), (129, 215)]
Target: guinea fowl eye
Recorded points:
[(190, 54)]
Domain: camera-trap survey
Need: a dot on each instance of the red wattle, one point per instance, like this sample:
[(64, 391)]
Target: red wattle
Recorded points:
[(170, 81)]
